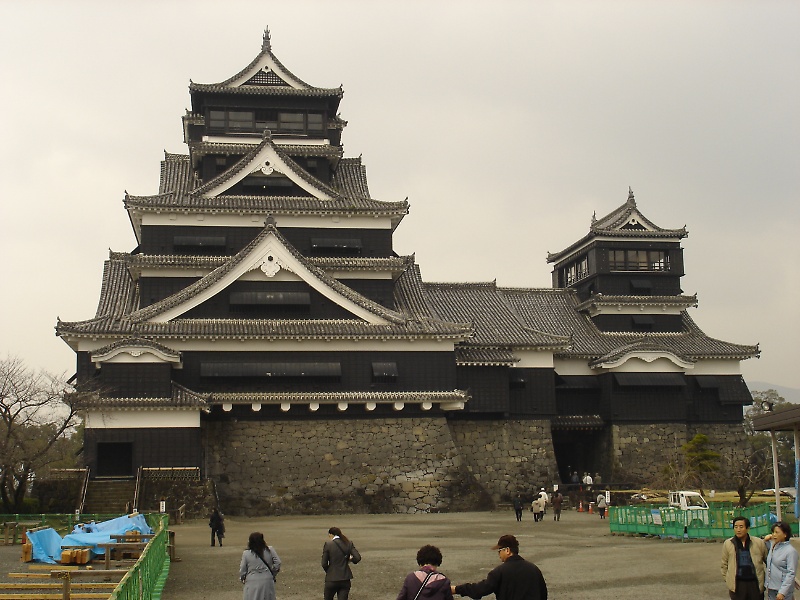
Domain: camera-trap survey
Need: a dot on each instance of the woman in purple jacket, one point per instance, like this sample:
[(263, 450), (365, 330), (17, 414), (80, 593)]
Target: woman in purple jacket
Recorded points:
[(426, 583)]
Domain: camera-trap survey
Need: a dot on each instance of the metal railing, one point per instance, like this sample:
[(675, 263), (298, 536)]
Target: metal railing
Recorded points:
[(140, 581), (173, 473), (84, 491), (138, 488)]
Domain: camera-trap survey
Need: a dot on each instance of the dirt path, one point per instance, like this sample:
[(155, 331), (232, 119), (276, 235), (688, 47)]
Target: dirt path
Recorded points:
[(578, 556)]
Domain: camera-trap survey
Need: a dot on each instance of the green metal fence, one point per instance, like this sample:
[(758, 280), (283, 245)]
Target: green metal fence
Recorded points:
[(141, 581), (716, 522), (59, 522)]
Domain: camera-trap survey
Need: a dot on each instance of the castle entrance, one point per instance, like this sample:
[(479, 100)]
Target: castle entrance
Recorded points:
[(578, 442)]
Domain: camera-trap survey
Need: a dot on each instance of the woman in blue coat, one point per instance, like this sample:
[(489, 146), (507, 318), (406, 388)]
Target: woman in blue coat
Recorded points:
[(781, 563)]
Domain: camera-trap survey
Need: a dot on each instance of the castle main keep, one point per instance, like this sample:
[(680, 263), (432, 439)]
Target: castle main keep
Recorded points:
[(265, 331)]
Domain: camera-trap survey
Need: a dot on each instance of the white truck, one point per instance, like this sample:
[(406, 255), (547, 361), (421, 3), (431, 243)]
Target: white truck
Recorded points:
[(694, 503)]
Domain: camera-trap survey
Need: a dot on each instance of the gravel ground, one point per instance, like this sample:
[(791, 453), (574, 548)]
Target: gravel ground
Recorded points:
[(578, 556)]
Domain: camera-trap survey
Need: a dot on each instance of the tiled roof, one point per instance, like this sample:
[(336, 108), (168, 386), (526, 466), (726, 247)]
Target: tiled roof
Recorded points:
[(182, 398), (555, 311), (137, 262), (262, 329), (176, 175), (334, 397), (648, 343), (485, 357), (266, 205), (614, 225), (260, 90), (350, 178), (124, 321), (495, 321), (138, 342), (208, 280), (656, 301), (296, 86), (317, 150), (245, 163)]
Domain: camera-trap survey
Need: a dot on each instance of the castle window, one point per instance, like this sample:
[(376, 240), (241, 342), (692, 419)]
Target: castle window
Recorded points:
[(650, 379), (336, 246), (575, 272), (291, 122), (248, 121), (270, 298), (200, 244), (516, 381), (643, 322), (384, 372), (638, 260), (332, 371)]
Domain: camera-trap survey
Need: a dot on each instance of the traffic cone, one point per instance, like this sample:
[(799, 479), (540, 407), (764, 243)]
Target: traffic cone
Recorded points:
[(591, 512), (580, 506)]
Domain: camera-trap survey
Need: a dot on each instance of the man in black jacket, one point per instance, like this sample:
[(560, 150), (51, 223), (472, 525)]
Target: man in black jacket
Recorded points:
[(515, 579)]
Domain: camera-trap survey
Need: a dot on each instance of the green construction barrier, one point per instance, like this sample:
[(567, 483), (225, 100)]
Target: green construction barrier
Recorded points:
[(665, 521)]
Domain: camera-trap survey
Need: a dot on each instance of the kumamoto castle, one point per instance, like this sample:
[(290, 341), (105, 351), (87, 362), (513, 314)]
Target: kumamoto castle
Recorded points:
[(264, 332)]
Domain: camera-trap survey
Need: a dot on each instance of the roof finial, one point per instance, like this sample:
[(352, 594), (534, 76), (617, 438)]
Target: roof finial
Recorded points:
[(594, 217), (631, 199), (265, 44)]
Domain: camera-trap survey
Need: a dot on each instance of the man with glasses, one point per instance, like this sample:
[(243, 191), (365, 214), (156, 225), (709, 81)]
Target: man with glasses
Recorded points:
[(515, 579)]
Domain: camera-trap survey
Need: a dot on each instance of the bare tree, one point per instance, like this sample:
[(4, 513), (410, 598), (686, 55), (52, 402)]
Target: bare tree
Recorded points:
[(37, 412)]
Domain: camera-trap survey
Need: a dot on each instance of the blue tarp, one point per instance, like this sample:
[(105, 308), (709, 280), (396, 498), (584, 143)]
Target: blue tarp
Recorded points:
[(47, 543)]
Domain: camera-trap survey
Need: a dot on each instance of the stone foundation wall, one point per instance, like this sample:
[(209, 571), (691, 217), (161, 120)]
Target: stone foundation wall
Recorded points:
[(369, 466), (420, 464), (641, 450), (507, 457)]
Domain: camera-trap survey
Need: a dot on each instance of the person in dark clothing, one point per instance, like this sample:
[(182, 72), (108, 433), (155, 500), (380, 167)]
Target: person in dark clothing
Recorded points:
[(515, 579), (337, 554), (217, 524), (518, 507), (426, 583), (557, 501)]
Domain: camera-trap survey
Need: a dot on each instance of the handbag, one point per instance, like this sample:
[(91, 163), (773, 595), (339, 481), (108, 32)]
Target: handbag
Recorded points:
[(266, 564)]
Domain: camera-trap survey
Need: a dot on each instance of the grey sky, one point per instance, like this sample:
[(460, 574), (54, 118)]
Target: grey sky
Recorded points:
[(507, 124)]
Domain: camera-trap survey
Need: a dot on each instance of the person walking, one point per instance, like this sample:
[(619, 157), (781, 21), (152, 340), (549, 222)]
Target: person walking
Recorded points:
[(545, 499), (602, 504), (518, 507), (515, 579), (781, 563), (557, 501), (743, 559), (426, 582), (259, 568), (217, 524), (536, 507), (337, 554)]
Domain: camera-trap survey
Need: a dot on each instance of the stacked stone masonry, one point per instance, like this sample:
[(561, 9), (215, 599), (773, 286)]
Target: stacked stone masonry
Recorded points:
[(414, 464), (638, 449)]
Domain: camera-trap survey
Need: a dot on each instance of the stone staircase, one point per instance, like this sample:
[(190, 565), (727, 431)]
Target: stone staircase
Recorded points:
[(109, 496)]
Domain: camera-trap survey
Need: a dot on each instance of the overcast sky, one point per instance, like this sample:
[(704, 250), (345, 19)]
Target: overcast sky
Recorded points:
[(506, 124)]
